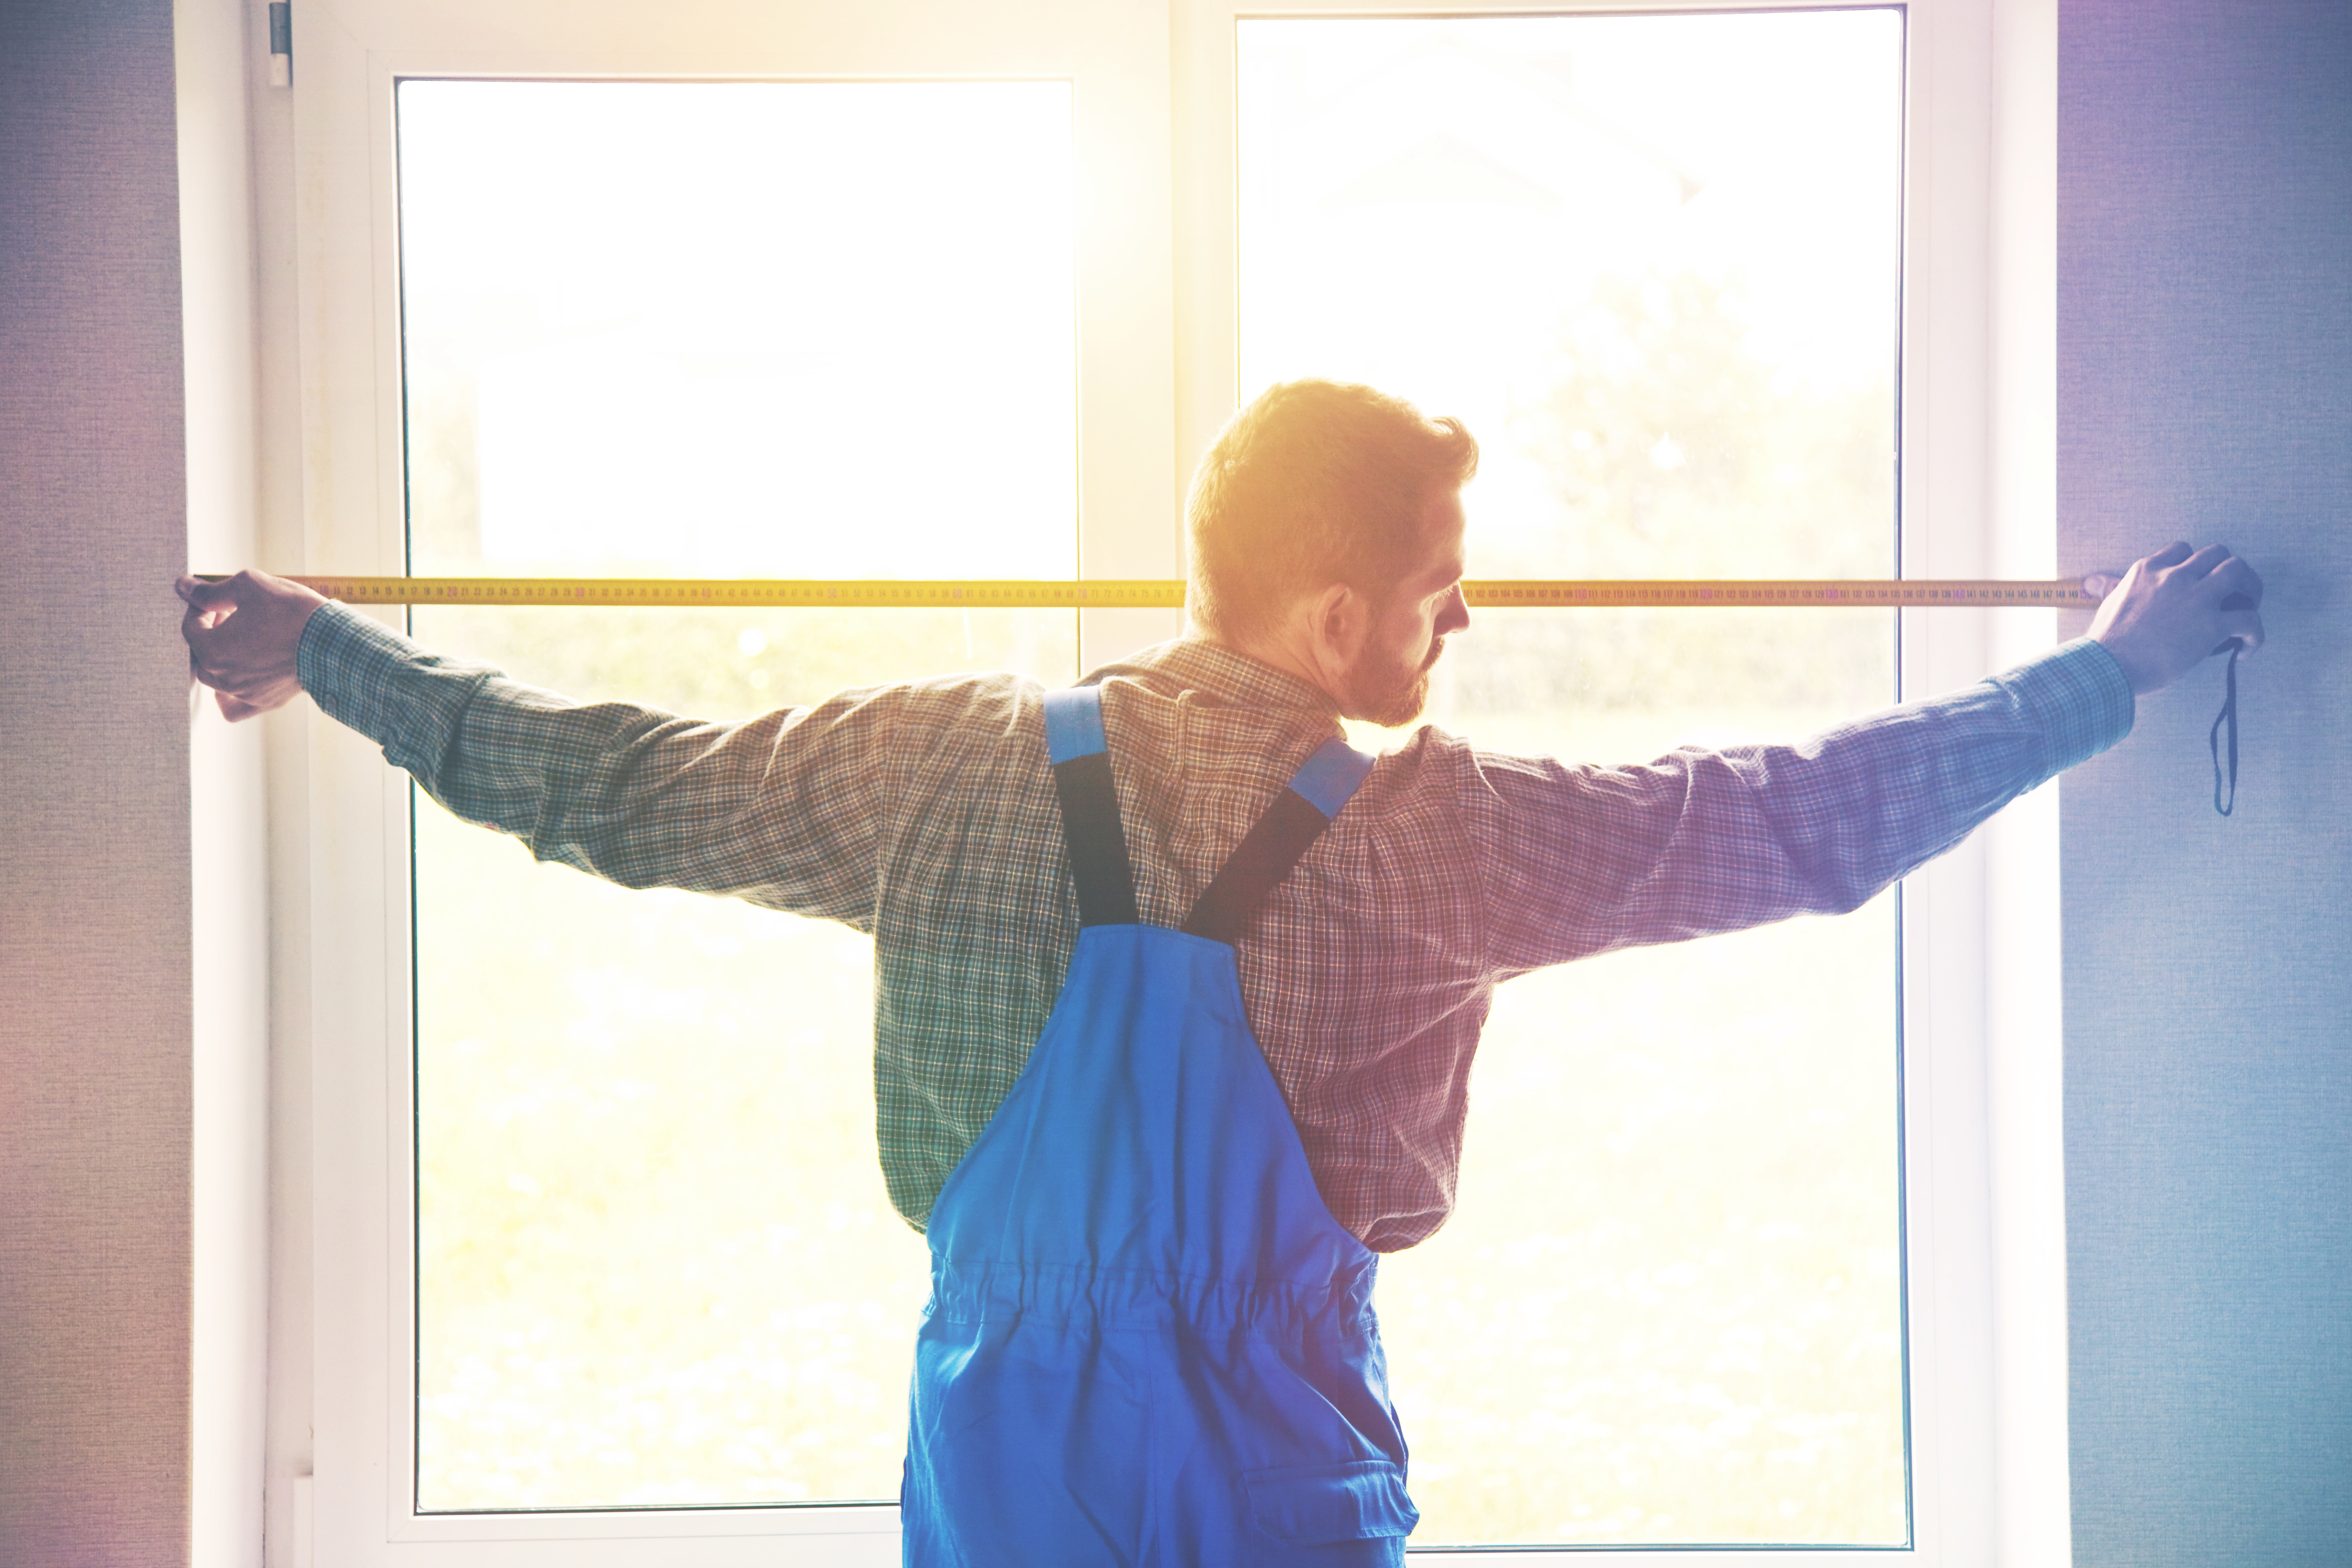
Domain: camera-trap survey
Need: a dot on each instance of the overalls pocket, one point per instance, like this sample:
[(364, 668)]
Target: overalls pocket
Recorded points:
[(1323, 1505)]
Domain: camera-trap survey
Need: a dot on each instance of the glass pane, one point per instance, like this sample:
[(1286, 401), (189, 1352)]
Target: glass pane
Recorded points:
[(805, 330), (740, 330), (1653, 262)]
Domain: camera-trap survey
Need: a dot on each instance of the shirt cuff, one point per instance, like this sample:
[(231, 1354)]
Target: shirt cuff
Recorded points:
[(394, 691), (2078, 696)]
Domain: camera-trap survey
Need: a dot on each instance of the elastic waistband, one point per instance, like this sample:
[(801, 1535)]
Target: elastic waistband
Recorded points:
[(1281, 1311)]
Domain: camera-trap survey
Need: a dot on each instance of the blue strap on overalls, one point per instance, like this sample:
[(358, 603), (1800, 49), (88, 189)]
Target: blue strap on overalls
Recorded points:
[(1149, 1343)]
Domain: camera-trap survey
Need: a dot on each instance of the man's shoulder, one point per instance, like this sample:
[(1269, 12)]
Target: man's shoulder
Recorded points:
[(983, 687), (944, 714)]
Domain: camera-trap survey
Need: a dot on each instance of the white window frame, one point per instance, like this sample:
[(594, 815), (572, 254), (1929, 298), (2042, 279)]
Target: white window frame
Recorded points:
[(1152, 94)]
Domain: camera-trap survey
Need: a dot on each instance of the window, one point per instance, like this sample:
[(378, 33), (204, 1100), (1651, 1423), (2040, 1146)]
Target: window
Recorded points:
[(1654, 261), (654, 1259), (441, 1410)]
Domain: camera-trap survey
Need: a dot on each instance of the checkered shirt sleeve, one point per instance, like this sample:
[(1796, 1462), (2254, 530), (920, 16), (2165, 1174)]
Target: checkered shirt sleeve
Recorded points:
[(1586, 859), (925, 815)]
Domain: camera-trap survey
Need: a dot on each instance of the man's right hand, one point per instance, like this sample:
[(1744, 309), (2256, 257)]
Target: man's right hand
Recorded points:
[(2174, 610), (242, 633)]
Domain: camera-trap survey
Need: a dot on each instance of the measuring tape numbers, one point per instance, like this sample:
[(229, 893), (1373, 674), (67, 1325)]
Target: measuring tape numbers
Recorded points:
[(1108, 593)]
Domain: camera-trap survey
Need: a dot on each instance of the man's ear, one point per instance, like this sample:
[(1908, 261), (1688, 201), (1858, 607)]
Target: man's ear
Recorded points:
[(1339, 621)]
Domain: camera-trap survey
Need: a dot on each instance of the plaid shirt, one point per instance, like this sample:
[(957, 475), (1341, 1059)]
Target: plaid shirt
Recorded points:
[(925, 815)]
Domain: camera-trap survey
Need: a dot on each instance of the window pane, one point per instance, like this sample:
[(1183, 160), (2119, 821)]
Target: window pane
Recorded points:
[(1653, 262), (806, 330), (740, 330)]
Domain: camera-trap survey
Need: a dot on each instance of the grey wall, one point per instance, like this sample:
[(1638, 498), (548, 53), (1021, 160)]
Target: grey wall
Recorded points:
[(94, 893), (2205, 392)]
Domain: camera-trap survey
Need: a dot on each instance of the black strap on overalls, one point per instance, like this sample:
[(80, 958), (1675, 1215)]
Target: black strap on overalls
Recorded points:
[(1097, 844)]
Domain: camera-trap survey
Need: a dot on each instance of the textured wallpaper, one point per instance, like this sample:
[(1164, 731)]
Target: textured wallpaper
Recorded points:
[(2205, 392), (94, 979)]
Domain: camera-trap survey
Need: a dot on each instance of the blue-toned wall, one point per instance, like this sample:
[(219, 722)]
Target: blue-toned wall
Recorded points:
[(2205, 392)]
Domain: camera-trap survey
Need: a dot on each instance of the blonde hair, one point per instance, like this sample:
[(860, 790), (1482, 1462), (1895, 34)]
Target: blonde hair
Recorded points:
[(1315, 482)]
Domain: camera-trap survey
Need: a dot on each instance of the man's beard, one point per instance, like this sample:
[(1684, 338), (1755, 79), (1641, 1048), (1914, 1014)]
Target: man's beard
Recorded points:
[(1393, 695)]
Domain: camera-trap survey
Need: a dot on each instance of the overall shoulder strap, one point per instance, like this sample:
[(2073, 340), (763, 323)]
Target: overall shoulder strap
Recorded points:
[(1323, 783), (1090, 829)]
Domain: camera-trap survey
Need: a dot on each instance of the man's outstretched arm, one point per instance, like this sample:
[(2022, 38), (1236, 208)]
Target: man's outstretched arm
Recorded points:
[(781, 809), (1582, 859)]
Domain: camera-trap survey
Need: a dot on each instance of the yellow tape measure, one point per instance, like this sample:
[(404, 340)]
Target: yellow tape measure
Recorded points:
[(1103, 593)]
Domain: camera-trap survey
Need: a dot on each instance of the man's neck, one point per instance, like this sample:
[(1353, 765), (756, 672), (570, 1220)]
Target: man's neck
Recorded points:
[(1272, 652)]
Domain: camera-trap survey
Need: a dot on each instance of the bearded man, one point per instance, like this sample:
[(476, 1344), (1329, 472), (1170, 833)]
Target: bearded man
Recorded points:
[(1176, 995)]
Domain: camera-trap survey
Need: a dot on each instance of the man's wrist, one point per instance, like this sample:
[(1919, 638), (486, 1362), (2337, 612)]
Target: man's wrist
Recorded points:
[(317, 650), (2080, 695), (404, 697), (2141, 681)]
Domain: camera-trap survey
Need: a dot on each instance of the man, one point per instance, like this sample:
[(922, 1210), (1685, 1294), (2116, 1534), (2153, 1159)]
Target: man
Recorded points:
[(1176, 997)]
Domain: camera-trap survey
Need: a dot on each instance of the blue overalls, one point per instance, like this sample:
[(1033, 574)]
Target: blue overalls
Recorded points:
[(1147, 1341)]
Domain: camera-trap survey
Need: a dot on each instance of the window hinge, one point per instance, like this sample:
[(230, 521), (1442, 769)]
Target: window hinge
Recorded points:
[(282, 43)]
